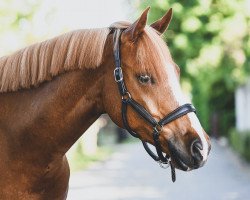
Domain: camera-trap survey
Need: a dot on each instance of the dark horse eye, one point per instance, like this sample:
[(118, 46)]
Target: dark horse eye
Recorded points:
[(144, 79)]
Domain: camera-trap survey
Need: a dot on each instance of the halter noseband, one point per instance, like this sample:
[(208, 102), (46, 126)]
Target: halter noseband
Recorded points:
[(127, 100)]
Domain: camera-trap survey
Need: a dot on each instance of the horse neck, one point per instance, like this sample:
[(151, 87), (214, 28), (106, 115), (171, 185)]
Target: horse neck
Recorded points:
[(78, 103), (55, 114)]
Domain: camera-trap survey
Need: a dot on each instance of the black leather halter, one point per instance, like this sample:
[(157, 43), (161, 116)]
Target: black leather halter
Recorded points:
[(127, 100)]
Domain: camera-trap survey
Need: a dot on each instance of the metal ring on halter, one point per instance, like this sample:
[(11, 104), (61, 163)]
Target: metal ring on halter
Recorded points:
[(158, 128), (118, 74), (164, 165), (126, 96)]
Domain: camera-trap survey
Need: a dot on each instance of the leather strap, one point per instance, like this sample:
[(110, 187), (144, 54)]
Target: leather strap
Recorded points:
[(177, 113), (125, 120), (142, 112)]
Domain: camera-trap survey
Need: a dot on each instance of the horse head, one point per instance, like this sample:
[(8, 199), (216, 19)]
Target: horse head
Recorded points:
[(152, 79)]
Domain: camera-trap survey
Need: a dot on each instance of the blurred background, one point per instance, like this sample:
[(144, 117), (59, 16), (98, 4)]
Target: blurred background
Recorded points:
[(208, 39)]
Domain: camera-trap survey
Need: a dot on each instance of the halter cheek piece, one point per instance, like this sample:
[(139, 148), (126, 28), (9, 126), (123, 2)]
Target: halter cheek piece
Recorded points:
[(127, 100)]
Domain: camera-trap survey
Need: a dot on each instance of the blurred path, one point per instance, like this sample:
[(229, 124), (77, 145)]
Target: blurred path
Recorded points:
[(131, 175)]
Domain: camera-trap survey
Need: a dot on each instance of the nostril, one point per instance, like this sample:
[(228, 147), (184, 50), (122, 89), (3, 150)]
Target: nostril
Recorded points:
[(197, 145), (196, 149)]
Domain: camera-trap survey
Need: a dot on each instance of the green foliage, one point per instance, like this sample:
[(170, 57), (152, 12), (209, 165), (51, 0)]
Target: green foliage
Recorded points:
[(16, 23), (15, 12), (209, 40), (241, 143)]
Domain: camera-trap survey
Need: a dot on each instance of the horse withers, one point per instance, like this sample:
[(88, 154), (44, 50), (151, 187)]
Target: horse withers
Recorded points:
[(51, 92)]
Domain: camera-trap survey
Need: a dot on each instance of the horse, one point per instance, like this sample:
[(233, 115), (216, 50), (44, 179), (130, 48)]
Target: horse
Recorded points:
[(51, 92)]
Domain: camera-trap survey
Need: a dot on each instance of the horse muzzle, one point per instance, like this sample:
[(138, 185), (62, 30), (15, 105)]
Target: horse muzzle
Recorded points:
[(185, 161)]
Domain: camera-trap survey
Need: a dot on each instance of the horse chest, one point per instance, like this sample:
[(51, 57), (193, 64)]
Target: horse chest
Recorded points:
[(33, 178)]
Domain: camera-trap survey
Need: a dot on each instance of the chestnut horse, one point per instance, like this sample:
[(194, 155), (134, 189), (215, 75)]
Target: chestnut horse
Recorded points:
[(51, 92)]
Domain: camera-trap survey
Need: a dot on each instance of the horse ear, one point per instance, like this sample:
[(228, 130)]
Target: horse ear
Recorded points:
[(135, 30), (161, 25)]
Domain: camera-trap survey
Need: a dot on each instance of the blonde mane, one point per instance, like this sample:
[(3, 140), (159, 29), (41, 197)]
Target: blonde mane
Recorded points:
[(79, 49), (40, 62)]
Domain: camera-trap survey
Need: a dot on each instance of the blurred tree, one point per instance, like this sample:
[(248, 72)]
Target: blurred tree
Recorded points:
[(16, 23), (209, 40)]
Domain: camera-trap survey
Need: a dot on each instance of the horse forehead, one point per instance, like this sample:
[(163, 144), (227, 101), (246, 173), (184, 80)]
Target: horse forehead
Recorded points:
[(148, 59)]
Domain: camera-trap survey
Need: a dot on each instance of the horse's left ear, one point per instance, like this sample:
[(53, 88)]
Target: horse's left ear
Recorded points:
[(161, 25), (135, 30)]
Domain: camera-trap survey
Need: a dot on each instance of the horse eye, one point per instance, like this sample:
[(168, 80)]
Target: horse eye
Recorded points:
[(144, 79)]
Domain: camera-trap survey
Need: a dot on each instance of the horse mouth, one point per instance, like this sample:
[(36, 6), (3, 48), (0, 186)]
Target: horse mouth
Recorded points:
[(179, 163), (178, 159)]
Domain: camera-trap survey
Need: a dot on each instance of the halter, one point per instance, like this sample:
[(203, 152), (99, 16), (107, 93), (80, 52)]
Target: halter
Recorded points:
[(157, 126)]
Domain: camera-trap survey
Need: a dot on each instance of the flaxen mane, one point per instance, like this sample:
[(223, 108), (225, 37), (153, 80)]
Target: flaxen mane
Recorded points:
[(40, 62), (75, 50)]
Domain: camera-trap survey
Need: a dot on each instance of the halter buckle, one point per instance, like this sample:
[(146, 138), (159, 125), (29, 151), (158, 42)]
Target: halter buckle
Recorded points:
[(118, 74), (158, 128), (126, 96), (164, 165)]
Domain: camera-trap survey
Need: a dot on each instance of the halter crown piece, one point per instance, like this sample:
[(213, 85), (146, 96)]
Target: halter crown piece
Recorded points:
[(157, 126)]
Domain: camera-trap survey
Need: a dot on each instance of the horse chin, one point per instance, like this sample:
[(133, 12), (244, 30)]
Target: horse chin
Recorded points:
[(179, 164), (179, 159)]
